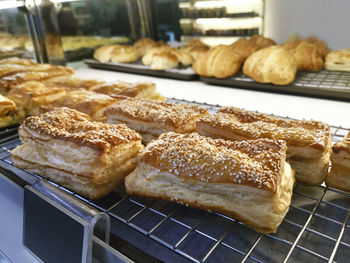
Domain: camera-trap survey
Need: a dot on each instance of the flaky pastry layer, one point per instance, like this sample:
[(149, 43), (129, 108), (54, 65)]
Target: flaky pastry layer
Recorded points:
[(339, 176), (148, 116), (247, 180), (309, 142), (88, 157)]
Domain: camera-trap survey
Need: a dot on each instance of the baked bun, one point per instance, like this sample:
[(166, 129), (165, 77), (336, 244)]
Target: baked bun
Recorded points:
[(123, 53), (221, 61), (309, 142), (90, 158), (339, 176), (164, 60), (147, 58), (248, 180), (143, 45), (338, 60), (273, 65), (306, 55), (103, 54)]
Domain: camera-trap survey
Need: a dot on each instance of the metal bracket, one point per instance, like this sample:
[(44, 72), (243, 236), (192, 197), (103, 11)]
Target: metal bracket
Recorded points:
[(58, 227)]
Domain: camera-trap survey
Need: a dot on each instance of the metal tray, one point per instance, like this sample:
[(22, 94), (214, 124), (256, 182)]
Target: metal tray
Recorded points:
[(324, 83), (316, 228), (139, 68)]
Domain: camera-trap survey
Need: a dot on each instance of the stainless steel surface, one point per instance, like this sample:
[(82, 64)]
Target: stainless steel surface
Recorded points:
[(316, 228)]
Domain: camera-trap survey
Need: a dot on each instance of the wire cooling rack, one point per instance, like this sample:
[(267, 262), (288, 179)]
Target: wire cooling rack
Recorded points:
[(316, 228), (324, 83)]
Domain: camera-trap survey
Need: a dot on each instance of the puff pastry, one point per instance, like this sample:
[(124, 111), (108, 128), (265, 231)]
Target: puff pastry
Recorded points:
[(248, 180), (9, 82), (306, 55), (309, 142), (221, 61), (273, 65), (152, 118), (9, 114), (338, 60), (91, 103), (138, 89), (90, 158), (339, 176), (31, 96)]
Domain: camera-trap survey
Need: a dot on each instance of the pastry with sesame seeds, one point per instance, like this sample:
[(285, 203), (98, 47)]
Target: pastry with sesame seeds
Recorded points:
[(152, 118), (339, 176), (308, 141), (248, 180), (90, 158)]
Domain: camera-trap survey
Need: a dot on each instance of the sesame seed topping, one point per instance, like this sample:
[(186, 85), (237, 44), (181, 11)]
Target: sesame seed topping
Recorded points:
[(243, 162)]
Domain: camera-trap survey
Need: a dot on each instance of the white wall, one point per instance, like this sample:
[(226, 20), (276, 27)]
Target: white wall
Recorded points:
[(327, 19)]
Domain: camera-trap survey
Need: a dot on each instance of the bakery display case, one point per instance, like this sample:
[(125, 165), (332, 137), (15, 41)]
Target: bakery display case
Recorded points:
[(176, 203), (221, 22)]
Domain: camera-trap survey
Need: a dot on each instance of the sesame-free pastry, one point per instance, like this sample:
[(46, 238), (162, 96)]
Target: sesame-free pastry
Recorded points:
[(91, 158), (339, 176), (309, 142), (273, 64), (248, 180), (152, 118), (9, 114)]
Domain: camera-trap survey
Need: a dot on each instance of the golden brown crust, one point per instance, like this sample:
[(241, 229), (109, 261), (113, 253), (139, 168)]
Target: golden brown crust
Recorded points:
[(143, 45), (338, 60), (252, 125), (321, 45), (103, 54), (17, 61), (306, 55), (221, 62), (273, 64), (9, 82), (72, 83), (163, 113), (70, 125), (88, 102), (254, 163), (6, 105), (123, 53)]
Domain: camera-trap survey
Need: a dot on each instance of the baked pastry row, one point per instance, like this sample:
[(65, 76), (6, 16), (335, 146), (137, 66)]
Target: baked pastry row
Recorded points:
[(248, 180), (263, 60)]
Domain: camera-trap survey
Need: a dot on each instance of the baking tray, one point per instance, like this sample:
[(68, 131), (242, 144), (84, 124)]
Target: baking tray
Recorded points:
[(325, 84), (139, 68), (316, 228)]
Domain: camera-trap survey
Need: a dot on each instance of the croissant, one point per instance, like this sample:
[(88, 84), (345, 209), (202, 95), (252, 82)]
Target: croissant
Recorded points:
[(271, 65), (221, 62), (306, 55)]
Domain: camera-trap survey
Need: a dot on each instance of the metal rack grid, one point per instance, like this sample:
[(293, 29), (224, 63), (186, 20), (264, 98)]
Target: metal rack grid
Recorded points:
[(324, 83), (316, 228)]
